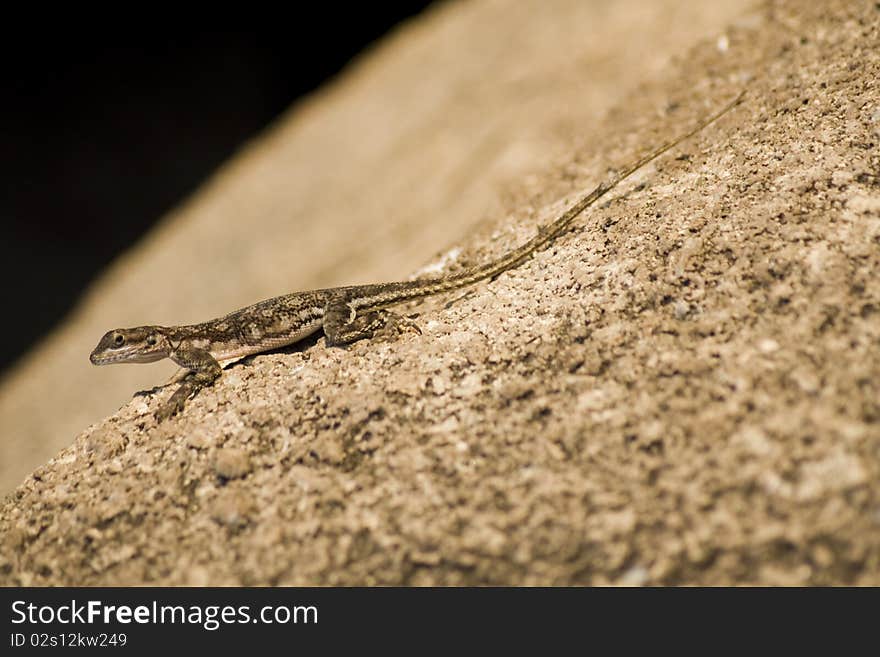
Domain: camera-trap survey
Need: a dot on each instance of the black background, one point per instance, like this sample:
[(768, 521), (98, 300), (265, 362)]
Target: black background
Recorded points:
[(106, 122), (485, 621)]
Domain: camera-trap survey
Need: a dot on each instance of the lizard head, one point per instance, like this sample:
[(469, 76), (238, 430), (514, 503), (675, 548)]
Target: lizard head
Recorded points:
[(142, 344)]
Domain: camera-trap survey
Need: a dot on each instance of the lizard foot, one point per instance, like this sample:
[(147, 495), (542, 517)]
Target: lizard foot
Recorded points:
[(343, 326), (175, 404), (395, 325)]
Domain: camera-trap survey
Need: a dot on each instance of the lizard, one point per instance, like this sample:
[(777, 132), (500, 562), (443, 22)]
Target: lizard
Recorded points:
[(346, 314)]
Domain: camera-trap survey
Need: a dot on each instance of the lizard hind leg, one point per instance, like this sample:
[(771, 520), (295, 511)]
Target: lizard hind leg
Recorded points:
[(344, 325)]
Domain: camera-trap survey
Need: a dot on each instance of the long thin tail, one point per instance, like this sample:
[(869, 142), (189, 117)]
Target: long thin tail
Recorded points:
[(419, 288), (560, 225)]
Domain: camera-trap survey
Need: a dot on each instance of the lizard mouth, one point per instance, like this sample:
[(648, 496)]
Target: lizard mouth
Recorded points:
[(122, 356), (105, 359)]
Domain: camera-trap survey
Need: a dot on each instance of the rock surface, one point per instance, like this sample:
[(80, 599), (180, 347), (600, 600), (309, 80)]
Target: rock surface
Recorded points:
[(452, 120), (682, 390)]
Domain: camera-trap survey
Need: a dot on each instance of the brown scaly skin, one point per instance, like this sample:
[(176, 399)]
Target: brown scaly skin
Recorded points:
[(346, 314)]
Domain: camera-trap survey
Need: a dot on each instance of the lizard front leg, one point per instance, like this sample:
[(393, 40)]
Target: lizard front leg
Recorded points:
[(344, 325), (203, 371)]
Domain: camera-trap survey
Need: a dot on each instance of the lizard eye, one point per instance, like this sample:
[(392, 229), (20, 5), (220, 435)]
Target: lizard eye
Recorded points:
[(119, 340), (151, 341)]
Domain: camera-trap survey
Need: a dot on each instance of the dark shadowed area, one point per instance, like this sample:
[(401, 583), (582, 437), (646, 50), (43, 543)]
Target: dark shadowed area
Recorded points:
[(103, 130)]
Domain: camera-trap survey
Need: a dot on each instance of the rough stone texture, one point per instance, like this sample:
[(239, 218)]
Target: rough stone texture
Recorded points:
[(682, 390), (443, 126)]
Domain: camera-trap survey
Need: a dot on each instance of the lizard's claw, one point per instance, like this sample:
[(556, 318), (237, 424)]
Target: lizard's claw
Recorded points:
[(394, 325), (168, 409), (175, 404)]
